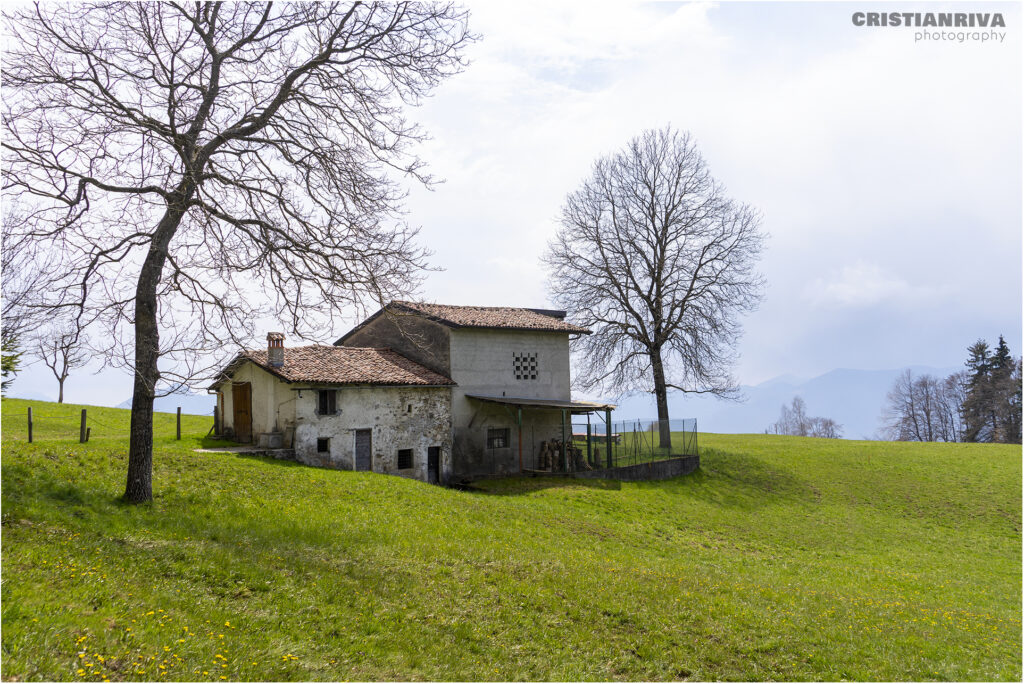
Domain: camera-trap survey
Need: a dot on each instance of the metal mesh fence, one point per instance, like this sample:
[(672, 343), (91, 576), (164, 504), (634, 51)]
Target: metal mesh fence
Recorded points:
[(630, 442)]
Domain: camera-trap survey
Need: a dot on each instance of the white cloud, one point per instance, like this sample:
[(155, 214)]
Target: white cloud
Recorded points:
[(863, 285), (875, 161)]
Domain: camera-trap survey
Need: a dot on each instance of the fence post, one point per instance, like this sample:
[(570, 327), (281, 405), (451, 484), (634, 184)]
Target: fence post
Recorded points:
[(88, 433), (29, 424), (178, 433), (81, 429), (608, 434)]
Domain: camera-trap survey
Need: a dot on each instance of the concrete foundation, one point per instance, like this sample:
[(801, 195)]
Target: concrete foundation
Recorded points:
[(657, 470)]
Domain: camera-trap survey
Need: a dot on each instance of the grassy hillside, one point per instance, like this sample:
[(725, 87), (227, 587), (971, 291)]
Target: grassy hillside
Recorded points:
[(783, 558)]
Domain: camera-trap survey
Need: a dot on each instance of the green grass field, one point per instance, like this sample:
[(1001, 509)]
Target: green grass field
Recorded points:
[(782, 558)]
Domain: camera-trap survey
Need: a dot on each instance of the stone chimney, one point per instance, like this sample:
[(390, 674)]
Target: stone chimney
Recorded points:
[(275, 349)]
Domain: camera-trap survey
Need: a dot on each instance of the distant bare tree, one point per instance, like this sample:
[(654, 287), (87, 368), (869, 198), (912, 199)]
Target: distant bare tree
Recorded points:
[(924, 408), (825, 428), (193, 167), (657, 260), (793, 420), (952, 394), (62, 350)]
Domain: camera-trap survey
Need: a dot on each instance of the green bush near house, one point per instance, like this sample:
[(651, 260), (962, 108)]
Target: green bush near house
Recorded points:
[(783, 558)]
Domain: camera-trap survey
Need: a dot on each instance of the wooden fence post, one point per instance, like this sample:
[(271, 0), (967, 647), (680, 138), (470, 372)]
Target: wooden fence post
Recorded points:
[(29, 424), (179, 424), (81, 429), (88, 433)]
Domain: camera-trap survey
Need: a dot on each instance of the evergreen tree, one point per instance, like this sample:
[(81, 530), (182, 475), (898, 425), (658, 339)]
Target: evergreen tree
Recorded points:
[(1013, 428), (1004, 395), (10, 359), (978, 403)]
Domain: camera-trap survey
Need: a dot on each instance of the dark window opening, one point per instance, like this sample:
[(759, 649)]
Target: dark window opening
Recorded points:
[(497, 438), (409, 409), (404, 459), (327, 402), (323, 445)]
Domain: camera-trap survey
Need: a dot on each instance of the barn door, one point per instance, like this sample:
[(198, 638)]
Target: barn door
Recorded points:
[(242, 399), (364, 446), (433, 464)]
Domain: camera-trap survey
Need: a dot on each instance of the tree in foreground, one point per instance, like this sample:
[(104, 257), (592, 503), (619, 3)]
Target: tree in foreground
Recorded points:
[(659, 262), (191, 168)]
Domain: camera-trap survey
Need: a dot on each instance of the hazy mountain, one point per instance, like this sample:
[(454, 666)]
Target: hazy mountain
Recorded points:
[(853, 398), (197, 404)]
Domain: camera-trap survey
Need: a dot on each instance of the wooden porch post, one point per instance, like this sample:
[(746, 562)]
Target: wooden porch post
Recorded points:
[(565, 467), (519, 422), (608, 433), (590, 460)]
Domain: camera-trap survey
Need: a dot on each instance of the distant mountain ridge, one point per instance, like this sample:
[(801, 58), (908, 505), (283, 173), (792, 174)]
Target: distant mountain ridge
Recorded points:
[(853, 398)]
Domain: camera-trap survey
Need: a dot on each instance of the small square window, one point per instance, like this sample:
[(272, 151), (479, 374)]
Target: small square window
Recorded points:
[(404, 459), (525, 366), (323, 445), (327, 402), (497, 438)]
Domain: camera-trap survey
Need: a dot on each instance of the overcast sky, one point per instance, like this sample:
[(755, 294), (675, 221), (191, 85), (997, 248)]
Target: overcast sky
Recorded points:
[(888, 171)]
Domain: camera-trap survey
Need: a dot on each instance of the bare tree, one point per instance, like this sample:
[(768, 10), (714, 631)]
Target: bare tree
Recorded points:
[(62, 350), (657, 260), (924, 408), (793, 420), (952, 395), (195, 167)]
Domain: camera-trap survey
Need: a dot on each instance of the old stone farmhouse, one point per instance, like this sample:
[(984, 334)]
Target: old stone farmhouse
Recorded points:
[(438, 393)]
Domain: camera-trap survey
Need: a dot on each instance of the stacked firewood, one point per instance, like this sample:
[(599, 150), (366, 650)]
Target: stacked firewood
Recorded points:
[(545, 458)]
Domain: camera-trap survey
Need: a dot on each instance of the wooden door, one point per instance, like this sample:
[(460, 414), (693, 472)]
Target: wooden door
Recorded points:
[(242, 400), (433, 464), (364, 447)]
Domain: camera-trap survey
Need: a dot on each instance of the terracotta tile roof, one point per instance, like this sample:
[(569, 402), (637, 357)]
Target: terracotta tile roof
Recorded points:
[(345, 366), (503, 317)]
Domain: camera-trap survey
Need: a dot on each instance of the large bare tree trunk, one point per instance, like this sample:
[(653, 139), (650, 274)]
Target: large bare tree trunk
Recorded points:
[(139, 488), (60, 394), (661, 394)]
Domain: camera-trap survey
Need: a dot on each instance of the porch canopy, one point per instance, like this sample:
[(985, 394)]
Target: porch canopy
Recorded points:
[(566, 407), (573, 406)]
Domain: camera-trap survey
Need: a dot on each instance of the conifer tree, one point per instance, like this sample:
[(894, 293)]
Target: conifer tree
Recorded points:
[(1004, 390), (977, 406)]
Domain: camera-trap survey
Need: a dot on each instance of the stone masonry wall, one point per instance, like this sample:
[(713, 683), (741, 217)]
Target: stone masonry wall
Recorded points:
[(400, 418)]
